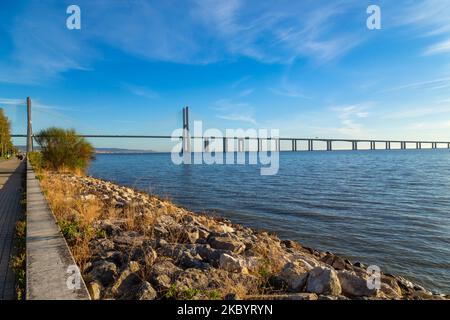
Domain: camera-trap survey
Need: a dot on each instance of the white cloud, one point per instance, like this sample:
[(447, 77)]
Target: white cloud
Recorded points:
[(238, 117), (234, 110), (434, 84), (12, 102), (288, 92), (193, 32), (141, 91), (349, 115), (438, 48)]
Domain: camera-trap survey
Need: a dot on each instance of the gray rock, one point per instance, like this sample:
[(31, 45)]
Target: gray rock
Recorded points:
[(209, 254), (336, 262), (323, 280), (103, 271), (191, 234), (232, 264), (95, 289), (141, 291), (163, 273), (127, 279), (354, 286), (227, 243), (192, 279), (294, 275)]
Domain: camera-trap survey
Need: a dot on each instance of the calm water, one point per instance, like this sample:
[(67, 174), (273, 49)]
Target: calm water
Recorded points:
[(389, 208)]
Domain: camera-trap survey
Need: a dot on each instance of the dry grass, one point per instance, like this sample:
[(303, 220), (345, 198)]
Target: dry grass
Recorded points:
[(74, 215)]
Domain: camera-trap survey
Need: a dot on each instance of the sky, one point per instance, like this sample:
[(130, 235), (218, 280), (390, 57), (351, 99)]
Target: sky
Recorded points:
[(309, 68)]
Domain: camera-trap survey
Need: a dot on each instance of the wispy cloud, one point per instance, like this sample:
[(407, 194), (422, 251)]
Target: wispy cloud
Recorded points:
[(193, 32), (418, 112), (288, 92), (349, 115), (427, 17), (238, 82), (238, 117), (245, 93), (12, 102), (141, 91), (434, 84), (234, 111), (438, 48)]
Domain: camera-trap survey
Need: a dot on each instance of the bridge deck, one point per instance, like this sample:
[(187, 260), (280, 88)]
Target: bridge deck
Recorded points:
[(11, 172)]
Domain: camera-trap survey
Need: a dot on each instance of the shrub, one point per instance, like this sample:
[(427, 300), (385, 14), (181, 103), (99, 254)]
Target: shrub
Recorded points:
[(64, 150), (36, 160)]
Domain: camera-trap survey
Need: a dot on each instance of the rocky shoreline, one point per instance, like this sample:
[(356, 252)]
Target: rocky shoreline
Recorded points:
[(142, 247)]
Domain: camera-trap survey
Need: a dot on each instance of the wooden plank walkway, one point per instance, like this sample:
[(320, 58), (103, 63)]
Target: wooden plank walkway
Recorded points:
[(11, 173)]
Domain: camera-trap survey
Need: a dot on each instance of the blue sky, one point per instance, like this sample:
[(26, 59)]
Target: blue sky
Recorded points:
[(309, 68)]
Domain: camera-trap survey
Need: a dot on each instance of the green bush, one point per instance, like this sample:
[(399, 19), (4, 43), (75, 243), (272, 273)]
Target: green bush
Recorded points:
[(63, 150), (36, 160), (70, 229)]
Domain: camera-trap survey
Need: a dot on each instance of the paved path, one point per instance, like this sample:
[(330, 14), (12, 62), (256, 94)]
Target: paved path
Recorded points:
[(50, 265), (11, 172)]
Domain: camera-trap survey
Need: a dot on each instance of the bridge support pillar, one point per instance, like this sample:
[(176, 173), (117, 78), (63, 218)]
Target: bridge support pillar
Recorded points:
[(29, 127), (354, 145), (448, 145), (310, 145), (372, 145), (186, 145), (241, 145), (224, 144), (388, 145), (329, 145)]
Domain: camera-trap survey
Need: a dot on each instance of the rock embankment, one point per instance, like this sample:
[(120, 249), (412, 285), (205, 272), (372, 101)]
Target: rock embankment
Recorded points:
[(147, 248)]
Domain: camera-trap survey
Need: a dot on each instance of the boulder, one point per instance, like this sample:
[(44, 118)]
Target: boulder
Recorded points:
[(227, 243), (163, 273), (209, 254), (103, 271), (336, 262), (127, 279), (192, 279), (95, 289), (389, 292), (162, 281), (354, 286), (322, 280), (232, 264), (390, 282), (141, 291), (294, 274), (144, 253), (190, 234)]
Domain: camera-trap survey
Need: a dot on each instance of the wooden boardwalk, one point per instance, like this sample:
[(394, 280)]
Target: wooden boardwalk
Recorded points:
[(11, 173)]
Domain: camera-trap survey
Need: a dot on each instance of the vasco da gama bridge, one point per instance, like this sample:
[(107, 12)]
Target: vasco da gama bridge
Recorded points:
[(228, 143)]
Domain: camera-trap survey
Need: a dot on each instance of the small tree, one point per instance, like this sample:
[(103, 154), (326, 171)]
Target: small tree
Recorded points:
[(64, 150), (6, 146)]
